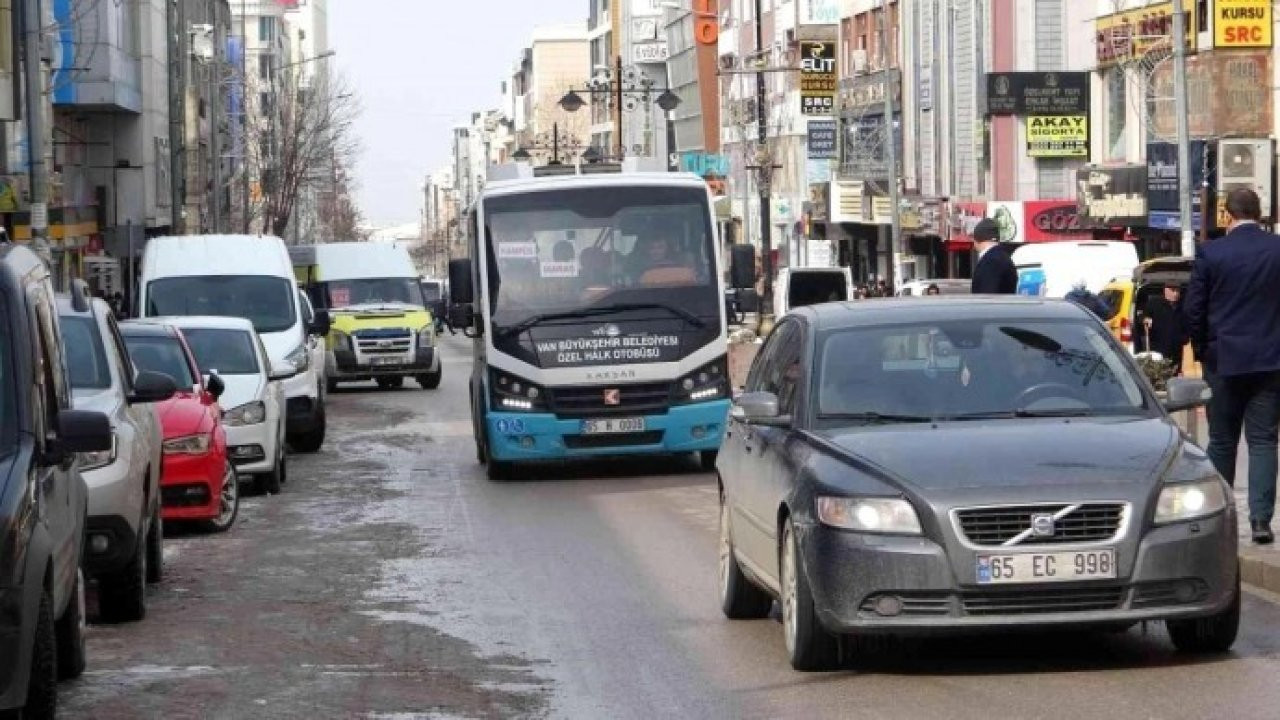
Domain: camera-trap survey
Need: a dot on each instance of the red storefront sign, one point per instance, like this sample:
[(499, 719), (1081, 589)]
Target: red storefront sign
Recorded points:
[(964, 216), (1053, 220)]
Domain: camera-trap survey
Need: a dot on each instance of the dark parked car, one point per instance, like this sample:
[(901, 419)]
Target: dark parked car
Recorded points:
[(43, 499), (967, 464)]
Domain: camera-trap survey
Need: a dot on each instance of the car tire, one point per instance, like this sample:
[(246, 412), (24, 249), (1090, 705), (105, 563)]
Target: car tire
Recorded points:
[(330, 385), (312, 440), (390, 383), (270, 483), (707, 460), (1208, 635), (155, 549), (122, 596), (42, 685), (228, 502), (431, 380), (70, 632), (809, 646), (739, 598)]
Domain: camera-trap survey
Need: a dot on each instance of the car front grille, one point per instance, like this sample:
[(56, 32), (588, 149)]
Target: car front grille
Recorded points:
[(390, 341), (1023, 602), (996, 526), (592, 442), (643, 399)]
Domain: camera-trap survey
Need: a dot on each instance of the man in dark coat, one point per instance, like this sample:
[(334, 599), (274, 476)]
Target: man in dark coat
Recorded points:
[(1230, 311), (1163, 324), (995, 273)]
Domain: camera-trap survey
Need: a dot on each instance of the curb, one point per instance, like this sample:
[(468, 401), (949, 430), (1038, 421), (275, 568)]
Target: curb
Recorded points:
[(1260, 572)]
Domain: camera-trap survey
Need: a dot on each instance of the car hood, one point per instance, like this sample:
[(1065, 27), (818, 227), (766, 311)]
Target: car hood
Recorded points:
[(181, 415), (1014, 453), (241, 389)]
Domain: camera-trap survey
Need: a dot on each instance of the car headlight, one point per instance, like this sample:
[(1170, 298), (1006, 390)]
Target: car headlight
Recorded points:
[(299, 358), (709, 382), (189, 445), (100, 458), (247, 414), (341, 340), (427, 335), (515, 394), (1190, 501), (890, 516)]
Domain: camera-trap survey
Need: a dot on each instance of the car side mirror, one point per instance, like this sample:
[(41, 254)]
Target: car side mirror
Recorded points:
[(460, 290), (462, 316), (321, 324), (152, 387), (215, 386), (81, 431), (282, 371), (1186, 394), (759, 408), (742, 266)]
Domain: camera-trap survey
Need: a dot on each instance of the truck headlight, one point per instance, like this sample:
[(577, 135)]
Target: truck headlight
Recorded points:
[(427, 335), (886, 516), (300, 358), (251, 413), (99, 459), (340, 340), (1190, 501), (515, 394), (189, 445)]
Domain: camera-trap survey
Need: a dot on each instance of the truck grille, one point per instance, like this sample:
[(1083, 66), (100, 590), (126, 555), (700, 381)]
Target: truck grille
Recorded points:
[(593, 442), (1091, 522), (642, 399), (393, 341)]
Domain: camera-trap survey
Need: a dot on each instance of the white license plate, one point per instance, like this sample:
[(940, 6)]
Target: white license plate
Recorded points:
[(1047, 567), (386, 361), (611, 426)]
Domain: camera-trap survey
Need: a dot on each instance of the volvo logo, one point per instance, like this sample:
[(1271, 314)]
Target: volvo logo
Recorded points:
[(1042, 525)]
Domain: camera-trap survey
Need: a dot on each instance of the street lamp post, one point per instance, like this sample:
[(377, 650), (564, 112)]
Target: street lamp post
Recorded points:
[(553, 142), (624, 89)]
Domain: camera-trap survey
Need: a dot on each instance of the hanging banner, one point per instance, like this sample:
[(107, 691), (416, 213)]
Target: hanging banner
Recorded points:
[(1058, 136), (817, 77), (1132, 34), (1242, 24), (822, 139)]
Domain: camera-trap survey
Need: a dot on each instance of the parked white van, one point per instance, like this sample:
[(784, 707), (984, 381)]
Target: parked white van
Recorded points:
[(249, 277), (1052, 269), (800, 286)]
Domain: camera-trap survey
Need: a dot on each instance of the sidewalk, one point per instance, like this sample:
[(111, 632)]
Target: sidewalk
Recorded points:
[(1259, 564)]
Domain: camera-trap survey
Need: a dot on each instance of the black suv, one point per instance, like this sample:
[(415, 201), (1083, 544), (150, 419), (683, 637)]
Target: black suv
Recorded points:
[(42, 496)]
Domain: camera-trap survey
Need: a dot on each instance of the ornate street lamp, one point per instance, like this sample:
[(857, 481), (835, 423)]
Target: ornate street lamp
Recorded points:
[(620, 89), (554, 142)]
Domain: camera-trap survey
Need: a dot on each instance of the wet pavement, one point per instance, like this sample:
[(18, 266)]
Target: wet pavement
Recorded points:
[(390, 579)]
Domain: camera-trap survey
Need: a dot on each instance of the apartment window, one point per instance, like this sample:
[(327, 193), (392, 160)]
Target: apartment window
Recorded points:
[(266, 29), (265, 67)]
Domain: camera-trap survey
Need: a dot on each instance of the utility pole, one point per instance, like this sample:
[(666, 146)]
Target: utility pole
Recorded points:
[(764, 182), (891, 146), (39, 170), (176, 15), (1184, 141), (244, 112), (215, 115)]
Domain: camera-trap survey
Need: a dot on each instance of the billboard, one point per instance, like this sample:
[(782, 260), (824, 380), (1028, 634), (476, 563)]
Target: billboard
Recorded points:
[(817, 77), (1058, 136)]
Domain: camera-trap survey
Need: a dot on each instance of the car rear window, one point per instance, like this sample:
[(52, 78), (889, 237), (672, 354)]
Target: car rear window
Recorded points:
[(86, 358), (812, 288), (162, 355), (225, 352)]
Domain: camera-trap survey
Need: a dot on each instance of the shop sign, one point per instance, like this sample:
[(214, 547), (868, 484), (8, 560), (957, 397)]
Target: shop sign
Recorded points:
[(650, 52), (706, 22), (963, 218), (1058, 136), (1125, 36), (817, 77), (822, 139), (1037, 93), (1052, 220), (704, 164), (819, 12), (1242, 24), (1162, 182), (1228, 94), (1112, 196)]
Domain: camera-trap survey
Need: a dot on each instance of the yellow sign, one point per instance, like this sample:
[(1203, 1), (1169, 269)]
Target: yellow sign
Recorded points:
[(1242, 23), (1058, 136), (1132, 34)]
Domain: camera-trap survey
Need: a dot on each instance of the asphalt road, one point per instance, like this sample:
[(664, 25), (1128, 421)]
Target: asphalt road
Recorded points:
[(392, 580)]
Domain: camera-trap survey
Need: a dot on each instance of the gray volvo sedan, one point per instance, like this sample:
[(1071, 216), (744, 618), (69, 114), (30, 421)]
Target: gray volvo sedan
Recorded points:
[(915, 466)]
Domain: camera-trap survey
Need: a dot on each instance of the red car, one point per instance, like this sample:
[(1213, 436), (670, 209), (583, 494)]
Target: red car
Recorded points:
[(197, 480)]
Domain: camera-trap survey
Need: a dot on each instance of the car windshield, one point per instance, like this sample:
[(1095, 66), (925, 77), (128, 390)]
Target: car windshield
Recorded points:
[(971, 369), (373, 291), (431, 291), (562, 251), (225, 352), (86, 358), (162, 355), (265, 301)]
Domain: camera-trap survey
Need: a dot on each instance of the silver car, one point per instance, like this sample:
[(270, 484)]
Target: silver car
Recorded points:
[(926, 465)]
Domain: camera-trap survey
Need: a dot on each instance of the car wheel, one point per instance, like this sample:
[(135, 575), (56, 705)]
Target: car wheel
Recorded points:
[(390, 383), (155, 549), (431, 380), (809, 645), (1213, 634), (42, 686), (228, 502), (70, 633), (269, 483), (313, 440), (122, 596), (707, 459), (739, 599)]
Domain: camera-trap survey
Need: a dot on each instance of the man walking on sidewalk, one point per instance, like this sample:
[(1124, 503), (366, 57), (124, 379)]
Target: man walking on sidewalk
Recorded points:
[(1231, 306)]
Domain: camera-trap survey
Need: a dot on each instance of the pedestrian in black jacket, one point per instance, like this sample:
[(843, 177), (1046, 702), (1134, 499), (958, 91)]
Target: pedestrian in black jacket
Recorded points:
[(995, 273), (1230, 310)]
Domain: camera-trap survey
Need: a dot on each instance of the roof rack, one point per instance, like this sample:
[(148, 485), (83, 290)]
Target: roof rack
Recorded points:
[(524, 170)]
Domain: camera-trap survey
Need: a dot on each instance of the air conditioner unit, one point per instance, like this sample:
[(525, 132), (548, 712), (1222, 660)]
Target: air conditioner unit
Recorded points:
[(1246, 163), (858, 61)]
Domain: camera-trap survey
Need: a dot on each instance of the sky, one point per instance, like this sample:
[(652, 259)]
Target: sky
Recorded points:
[(420, 67)]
